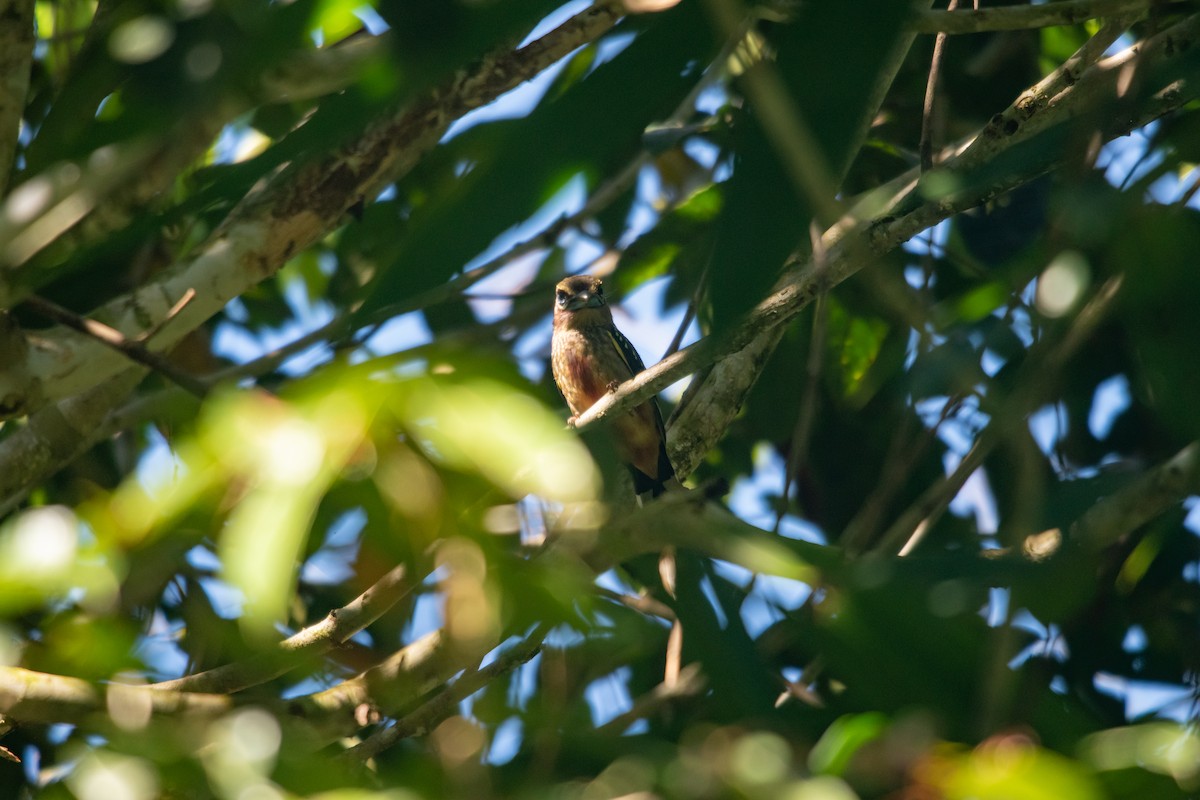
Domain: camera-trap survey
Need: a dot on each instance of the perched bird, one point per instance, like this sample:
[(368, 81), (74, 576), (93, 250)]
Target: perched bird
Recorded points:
[(589, 358)]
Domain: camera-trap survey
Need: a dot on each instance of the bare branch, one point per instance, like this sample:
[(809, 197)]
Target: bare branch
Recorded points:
[(1024, 17), (337, 627), (928, 117), (1163, 487)]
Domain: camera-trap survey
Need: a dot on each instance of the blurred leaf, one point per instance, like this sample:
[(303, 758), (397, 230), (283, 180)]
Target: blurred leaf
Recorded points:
[(1157, 252), (288, 459), (842, 739), (1012, 769), (854, 344), (508, 437)]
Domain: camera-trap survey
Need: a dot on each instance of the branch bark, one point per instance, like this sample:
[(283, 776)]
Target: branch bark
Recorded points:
[(57, 435)]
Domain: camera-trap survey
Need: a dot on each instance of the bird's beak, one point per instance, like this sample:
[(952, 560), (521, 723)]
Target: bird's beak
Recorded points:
[(577, 301)]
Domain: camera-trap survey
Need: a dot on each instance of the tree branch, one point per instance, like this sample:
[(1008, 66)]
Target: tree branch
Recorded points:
[(108, 200), (683, 519), (28, 696), (335, 629), (1024, 17), (57, 435), (1163, 487)]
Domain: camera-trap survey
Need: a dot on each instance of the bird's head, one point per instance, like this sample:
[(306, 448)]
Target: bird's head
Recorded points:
[(578, 292)]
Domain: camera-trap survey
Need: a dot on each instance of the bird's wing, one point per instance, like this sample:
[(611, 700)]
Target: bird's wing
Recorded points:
[(633, 361), (629, 353)]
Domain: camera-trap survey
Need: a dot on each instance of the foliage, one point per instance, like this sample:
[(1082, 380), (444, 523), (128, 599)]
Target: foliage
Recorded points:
[(289, 507)]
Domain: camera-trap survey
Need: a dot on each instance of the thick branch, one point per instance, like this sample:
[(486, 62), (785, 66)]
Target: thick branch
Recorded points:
[(29, 696), (57, 435)]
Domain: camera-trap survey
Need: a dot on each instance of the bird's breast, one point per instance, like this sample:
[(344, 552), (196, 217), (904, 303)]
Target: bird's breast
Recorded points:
[(573, 371)]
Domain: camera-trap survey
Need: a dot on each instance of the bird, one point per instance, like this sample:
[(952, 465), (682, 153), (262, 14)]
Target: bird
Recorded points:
[(589, 358)]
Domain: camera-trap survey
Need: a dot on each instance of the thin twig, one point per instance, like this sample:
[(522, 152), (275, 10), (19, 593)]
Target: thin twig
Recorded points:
[(690, 313), (132, 349), (639, 602), (690, 682), (802, 432), (180, 304), (931, 87)]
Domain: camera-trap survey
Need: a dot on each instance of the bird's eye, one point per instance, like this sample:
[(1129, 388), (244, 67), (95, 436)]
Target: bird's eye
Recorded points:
[(560, 296), (599, 288)]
